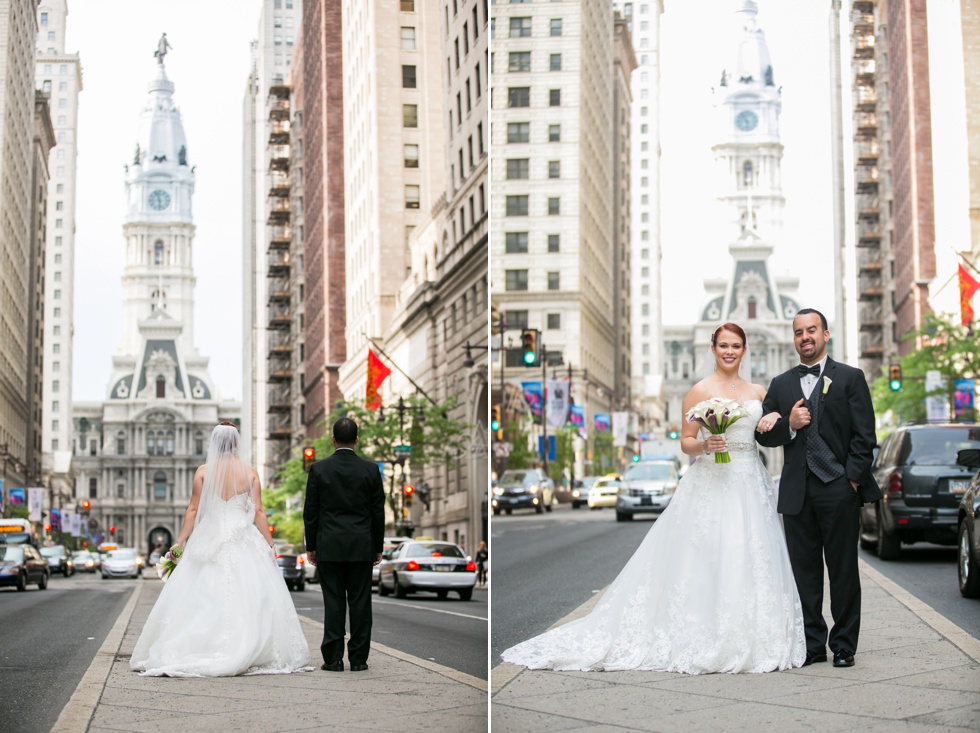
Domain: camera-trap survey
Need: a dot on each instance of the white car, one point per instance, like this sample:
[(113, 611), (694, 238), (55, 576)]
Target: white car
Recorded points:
[(124, 562), (430, 565)]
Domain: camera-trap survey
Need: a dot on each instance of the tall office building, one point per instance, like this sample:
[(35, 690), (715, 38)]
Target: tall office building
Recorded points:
[(59, 75), (18, 26), (266, 235)]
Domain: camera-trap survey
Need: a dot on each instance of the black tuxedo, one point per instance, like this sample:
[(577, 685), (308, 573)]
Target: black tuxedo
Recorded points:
[(344, 518), (821, 518)]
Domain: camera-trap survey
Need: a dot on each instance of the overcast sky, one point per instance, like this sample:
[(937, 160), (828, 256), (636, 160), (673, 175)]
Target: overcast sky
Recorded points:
[(209, 63)]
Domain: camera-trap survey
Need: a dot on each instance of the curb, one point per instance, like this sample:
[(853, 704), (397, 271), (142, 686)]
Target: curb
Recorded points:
[(77, 714)]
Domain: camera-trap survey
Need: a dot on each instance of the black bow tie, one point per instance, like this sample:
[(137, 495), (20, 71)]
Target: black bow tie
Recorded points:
[(803, 370)]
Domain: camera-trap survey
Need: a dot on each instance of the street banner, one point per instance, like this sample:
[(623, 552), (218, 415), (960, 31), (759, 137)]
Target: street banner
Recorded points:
[(557, 402), (73, 525), (577, 416), (964, 391), (17, 497), (937, 406), (35, 501), (377, 373), (620, 427), (551, 447), (55, 520), (534, 397), (3, 497), (601, 421), (968, 288)]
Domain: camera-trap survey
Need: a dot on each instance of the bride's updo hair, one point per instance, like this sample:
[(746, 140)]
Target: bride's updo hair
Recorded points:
[(732, 328)]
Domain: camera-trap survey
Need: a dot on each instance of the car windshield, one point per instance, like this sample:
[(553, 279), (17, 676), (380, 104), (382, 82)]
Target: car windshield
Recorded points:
[(939, 447), (427, 550), (514, 477), (83, 556), (121, 555), (10, 553), (287, 550), (605, 482), (649, 472), (52, 551)]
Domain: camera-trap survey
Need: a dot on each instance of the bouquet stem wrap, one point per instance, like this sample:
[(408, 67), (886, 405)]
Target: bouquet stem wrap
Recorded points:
[(716, 415)]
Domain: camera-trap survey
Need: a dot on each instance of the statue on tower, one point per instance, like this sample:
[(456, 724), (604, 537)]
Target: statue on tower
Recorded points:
[(162, 46)]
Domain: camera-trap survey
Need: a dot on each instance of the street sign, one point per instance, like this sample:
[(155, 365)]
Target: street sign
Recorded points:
[(551, 446), (403, 450), (501, 450)]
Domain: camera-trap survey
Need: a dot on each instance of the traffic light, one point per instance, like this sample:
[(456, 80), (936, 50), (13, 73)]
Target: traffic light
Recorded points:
[(408, 490), (636, 458), (272, 529), (86, 505), (673, 433), (495, 424), (529, 347), (309, 455), (112, 530), (895, 377)]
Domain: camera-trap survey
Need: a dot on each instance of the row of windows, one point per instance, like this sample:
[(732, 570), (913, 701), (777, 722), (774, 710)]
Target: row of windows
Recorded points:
[(518, 319), (518, 205), (520, 132), (158, 442), (159, 487), (516, 243), (516, 280), (520, 61), (518, 168), (520, 27), (521, 97)]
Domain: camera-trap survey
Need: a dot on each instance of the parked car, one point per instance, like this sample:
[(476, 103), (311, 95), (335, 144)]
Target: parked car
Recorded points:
[(433, 566), (293, 566), (603, 492), (23, 565), (390, 544), (59, 559), (967, 531), (523, 489), (84, 562), (123, 562), (922, 486), (646, 488)]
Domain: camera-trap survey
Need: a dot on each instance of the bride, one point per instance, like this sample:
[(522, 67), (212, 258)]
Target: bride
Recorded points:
[(710, 588), (224, 610)]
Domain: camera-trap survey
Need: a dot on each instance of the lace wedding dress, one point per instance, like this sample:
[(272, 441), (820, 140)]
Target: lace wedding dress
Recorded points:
[(225, 609), (710, 588)]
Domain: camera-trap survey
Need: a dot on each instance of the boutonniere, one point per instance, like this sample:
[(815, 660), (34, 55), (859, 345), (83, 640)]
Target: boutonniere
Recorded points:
[(826, 384)]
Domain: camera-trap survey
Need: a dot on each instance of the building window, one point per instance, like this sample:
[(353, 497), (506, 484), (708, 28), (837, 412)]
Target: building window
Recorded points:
[(516, 279), (515, 319), (517, 206), (554, 321), (158, 252), (555, 64), (44, 18), (554, 281), (408, 76), (199, 444), (408, 6), (554, 169), (408, 39), (556, 26), (54, 444), (55, 425), (554, 133), (519, 61), (56, 386), (120, 446), (161, 387), (170, 442), (554, 206), (747, 173), (752, 307), (160, 486), (554, 242), (518, 132), (516, 243), (519, 97), (554, 97), (411, 196), (93, 488), (410, 115), (520, 27), (120, 491), (411, 156), (517, 168)]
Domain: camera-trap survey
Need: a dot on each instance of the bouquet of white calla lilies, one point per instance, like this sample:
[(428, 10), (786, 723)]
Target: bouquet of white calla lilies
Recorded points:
[(716, 415)]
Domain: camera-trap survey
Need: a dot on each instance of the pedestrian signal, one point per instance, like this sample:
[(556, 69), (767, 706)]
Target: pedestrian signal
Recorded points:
[(529, 347), (895, 377), (309, 455)]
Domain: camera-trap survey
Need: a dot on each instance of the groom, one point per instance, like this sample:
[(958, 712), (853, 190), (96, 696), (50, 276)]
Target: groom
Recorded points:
[(344, 518), (827, 430)]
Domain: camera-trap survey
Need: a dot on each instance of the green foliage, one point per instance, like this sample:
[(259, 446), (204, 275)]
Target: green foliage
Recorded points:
[(948, 348), (603, 454), (564, 453), (521, 456)]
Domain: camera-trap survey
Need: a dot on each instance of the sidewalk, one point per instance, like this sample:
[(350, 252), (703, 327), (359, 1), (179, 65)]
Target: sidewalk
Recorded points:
[(398, 692), (915, 672)]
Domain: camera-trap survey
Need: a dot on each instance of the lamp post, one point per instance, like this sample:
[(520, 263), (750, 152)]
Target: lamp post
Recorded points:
[(405, 525)]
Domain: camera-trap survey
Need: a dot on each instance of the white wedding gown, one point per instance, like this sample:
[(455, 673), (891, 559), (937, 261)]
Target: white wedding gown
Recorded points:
[(225, 609), (710, 588)]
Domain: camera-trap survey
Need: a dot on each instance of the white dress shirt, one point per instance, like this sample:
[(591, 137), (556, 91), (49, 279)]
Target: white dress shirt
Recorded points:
[(809, 381)]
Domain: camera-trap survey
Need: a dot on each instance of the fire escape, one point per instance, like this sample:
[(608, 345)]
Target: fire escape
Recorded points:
[(868, 204), (279, 272)]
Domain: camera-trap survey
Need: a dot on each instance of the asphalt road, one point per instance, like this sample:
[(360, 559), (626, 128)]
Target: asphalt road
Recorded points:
[(452, 633), (47, 641), (545, 566)]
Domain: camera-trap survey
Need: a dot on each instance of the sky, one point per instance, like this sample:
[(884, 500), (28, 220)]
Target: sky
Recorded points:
[(695, 40), (209, 63)]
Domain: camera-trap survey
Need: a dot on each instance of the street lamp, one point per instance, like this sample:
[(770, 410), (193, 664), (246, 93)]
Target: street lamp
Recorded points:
[(468, 360)]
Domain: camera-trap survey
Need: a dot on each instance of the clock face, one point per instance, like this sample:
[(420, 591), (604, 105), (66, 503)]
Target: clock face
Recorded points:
[(746, 120), (159, 200)]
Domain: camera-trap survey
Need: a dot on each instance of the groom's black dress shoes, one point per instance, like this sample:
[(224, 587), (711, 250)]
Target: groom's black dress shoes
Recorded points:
[(358, 667), (332, 666), (843, 658), (815, 658)]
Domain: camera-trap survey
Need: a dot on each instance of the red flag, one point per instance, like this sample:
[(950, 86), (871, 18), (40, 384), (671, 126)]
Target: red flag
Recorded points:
[(377, 372), (968, 286)]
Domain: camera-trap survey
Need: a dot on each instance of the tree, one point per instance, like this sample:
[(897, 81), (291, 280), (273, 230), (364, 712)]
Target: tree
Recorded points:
[(947, 347), (434, 437), (603, 453), (521, 455), (564, 452)]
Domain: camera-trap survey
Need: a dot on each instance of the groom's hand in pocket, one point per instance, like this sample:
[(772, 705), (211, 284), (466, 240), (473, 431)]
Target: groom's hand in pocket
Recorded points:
[(311, 558)]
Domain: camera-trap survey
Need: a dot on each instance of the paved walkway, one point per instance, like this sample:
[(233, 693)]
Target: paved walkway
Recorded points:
[(915, 672), (398, 693)]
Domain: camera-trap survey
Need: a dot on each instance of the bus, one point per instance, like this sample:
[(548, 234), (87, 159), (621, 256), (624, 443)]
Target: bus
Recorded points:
[(18, 532)]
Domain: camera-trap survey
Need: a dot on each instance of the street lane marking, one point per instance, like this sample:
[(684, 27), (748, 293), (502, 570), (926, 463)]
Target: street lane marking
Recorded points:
[(429, 608)]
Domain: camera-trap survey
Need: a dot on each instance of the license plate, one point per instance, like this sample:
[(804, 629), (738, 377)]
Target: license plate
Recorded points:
[(442, 568), (958, 486), (646, 501)]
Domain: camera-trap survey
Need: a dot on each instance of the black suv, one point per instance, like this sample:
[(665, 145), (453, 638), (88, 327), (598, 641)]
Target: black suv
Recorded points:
[(917, 471)]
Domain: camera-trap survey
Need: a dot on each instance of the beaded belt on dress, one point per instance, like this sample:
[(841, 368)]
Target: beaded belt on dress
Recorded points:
[(741, 446)]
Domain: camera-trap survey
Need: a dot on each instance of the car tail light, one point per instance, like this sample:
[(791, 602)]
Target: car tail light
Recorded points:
[(895, 483), (278, 555), (471, 567), (412, 565), (299, 562)]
